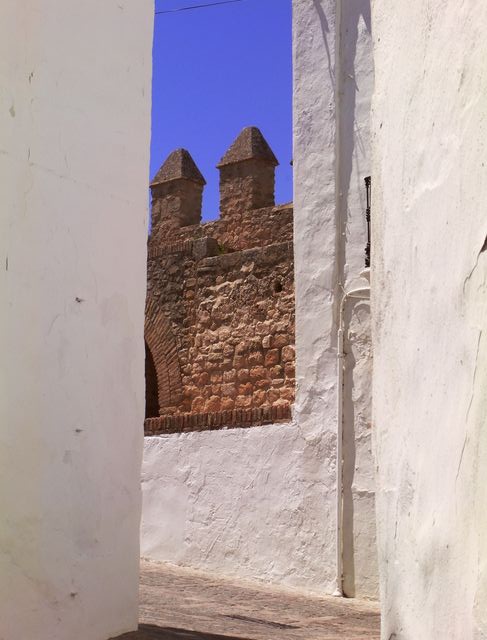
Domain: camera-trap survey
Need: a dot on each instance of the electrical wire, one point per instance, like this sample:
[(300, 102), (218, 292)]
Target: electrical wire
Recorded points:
[(198, 6)]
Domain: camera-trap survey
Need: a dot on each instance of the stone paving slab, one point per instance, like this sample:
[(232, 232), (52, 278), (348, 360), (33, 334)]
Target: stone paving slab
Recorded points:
[(179, 604)]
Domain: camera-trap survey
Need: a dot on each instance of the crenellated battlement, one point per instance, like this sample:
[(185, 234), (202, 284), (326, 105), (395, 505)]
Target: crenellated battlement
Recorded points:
[(247, 174), (247, 183), (177, 195), (220, 295)]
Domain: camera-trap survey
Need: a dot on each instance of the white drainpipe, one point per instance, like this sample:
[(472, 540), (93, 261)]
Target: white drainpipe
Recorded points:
[(361, 293)]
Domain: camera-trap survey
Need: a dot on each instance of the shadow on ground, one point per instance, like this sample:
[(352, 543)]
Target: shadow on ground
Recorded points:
[(174, 600), (151, 632)]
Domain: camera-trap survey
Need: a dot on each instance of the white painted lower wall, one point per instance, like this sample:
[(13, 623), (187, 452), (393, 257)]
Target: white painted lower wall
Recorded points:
[(240, 502), (257, 503)]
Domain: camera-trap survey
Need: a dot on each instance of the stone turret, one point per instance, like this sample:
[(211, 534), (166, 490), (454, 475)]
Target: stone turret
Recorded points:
[(247, 174), (177, 192)]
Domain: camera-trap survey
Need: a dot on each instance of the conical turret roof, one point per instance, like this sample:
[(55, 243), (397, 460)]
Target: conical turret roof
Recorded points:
[(178, 165), (249, 145)]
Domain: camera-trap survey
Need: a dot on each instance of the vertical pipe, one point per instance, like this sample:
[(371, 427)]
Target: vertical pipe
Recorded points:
[(361, 293)]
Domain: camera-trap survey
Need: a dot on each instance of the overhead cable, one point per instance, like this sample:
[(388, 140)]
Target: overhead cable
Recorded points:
[(198, 6)]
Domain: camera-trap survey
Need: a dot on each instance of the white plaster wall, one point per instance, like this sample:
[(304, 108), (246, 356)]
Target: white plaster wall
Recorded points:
[(74, 145), (315, 249), (355, 87), (332, 94), (261, 502), (429, 309), (240, 502)]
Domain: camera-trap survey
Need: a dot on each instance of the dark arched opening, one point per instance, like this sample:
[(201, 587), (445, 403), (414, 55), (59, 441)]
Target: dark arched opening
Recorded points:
[(151, 386)]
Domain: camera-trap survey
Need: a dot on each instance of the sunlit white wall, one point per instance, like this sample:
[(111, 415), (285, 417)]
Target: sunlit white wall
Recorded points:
[(74, 157), (430, 314)]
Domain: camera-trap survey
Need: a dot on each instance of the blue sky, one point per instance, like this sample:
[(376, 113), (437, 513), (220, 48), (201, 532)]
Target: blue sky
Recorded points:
[(217, 70)]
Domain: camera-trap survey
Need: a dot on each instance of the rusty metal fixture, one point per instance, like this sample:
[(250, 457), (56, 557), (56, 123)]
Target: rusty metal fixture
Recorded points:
[(367, 181)]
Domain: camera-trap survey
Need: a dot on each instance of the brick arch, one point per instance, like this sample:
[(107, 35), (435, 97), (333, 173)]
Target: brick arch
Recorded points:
[(162, 345), (151, 386)]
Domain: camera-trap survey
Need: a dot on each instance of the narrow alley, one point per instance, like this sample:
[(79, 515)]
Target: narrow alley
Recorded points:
[(179, 604)]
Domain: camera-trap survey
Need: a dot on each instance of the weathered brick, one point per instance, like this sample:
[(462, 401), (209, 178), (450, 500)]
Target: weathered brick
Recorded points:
[(227, 404), (203, 378), (240, 362), (273, 395), (272, 357), (245, 389), (243, 402), (288, 354), (276, 371), (289, 370), (229, 376), (267, 342), (198, 404), (259, 397), (258, 373), (228, 350), (287, 394), (229, 390), (255, 358), (242, 375), (280, 340), (213, 404), (277, 382)]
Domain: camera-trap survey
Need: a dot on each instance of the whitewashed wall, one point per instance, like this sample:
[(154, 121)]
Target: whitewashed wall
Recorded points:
[(430, 313), (261, 502), (74, 146), (241, 502)]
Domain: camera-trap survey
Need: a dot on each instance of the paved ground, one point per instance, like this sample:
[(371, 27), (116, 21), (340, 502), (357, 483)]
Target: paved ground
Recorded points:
[(177, 604)]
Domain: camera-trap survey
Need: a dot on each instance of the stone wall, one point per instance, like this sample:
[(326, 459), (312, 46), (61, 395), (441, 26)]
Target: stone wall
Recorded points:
[(220, 310), (248, 229)]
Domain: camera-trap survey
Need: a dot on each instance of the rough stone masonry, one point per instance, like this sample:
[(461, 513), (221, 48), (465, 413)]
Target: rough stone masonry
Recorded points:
[(219, 323)]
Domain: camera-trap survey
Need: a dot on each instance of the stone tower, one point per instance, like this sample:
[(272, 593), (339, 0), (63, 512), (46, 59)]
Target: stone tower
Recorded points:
[(247, 174), (177, 192)]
